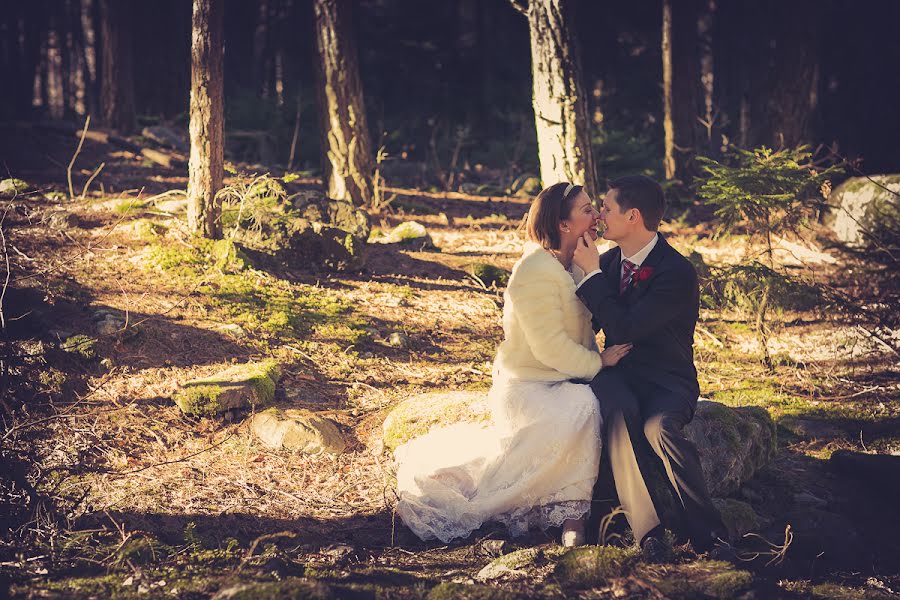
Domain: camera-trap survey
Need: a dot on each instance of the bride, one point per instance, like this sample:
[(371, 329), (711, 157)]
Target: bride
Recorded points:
[(535, 464)]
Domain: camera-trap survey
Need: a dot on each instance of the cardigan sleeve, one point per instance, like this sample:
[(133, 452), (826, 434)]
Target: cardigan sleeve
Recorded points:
[(539, 312)]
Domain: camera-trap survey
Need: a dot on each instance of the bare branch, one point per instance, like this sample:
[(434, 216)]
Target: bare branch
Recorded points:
[(520, 5)]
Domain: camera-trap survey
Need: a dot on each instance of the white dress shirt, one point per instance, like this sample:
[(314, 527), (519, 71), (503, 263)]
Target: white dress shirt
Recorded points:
[(637, 258)]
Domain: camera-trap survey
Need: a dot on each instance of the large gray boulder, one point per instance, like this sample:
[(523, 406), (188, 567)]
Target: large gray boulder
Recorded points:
[(734, 443), (866, 210)]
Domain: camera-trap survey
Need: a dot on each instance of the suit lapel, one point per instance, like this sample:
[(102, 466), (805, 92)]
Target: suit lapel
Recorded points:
[(652, 261), (612, 267)]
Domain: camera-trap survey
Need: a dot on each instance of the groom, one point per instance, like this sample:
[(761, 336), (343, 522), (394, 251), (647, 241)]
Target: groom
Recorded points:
[(645, 293)]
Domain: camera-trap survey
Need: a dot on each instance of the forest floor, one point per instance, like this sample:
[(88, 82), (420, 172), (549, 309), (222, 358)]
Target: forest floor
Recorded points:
[(149, 502)]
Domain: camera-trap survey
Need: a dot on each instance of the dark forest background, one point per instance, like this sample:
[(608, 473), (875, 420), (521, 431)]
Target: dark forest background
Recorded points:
[(448, 73)]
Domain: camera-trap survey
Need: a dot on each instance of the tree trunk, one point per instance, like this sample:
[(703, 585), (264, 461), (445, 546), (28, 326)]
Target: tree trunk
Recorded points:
[(207, 122), (117, 70), (347, 150), (560, 107), (682, 87)]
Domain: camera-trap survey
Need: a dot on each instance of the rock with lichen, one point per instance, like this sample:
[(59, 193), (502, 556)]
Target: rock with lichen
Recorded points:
[(865, 211), (411, 233), (11, 187), (510, 564), (298, 430), (415, 416), (240, 387)]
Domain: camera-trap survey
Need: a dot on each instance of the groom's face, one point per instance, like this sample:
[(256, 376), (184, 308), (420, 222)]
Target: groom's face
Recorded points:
[(616, 223)]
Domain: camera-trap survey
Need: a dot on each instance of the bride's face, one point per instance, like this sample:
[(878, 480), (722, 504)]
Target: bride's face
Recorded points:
[(583, 218)]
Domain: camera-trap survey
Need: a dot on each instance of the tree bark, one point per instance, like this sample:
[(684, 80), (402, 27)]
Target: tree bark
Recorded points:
[(682, 87), (117, 69), (206, 164), (346, 146), (560, 106)]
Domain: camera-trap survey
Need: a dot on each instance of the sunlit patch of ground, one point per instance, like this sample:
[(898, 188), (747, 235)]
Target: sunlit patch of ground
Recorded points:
[(140, 467)]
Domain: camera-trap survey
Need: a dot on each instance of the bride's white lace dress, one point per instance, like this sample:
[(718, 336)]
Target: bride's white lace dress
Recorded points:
[(534, 465), (536, 461)]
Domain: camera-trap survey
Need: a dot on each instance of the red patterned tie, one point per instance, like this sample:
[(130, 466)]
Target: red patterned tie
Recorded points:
[(628, 271)]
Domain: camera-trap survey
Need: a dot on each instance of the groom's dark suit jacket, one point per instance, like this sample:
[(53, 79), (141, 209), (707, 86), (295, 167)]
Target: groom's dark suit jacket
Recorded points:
[(657, 314)]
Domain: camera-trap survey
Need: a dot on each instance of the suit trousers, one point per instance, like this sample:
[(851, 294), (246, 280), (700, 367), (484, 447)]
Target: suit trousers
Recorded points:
[(636, 414)]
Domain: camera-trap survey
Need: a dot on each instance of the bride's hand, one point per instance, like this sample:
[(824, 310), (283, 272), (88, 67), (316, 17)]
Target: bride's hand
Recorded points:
[(612, 355)]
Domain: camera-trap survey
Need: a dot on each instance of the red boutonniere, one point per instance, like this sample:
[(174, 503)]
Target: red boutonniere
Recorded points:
[(643, 274)]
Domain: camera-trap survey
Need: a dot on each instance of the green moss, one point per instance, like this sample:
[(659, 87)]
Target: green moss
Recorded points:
[(289, 589), (228, 256), (80, 344), (250, 385), (595, 565), (147, 230), (53, 379), (726, 584), (489, 274), (129, 204), (11, 187), (142, 550), (460, 591), (699, 579), (739, 517)]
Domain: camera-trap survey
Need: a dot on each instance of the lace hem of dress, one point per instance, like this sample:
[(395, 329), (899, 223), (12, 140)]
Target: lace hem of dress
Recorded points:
[(428, 523), (543, 517)]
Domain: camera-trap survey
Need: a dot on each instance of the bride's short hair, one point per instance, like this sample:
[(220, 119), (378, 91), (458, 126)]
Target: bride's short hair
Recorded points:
[(549, 208)]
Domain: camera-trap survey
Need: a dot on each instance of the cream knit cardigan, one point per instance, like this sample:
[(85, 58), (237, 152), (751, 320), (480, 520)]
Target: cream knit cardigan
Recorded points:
[(547, 330)]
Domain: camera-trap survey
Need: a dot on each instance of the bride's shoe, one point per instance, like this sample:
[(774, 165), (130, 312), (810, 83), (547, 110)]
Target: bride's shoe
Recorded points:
[(573, 533)]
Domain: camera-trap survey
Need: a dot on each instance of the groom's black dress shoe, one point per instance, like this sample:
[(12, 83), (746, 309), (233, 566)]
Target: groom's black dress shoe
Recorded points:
[(724, 551), (656, 550)]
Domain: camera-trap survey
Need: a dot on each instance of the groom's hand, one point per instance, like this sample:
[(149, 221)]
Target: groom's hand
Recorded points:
[(586, 256)]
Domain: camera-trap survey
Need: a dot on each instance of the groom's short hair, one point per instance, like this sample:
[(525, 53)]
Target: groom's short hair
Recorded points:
[(643, 193), (552, 206)]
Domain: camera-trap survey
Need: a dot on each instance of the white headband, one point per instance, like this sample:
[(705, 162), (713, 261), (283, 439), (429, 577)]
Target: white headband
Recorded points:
[(568, 189)]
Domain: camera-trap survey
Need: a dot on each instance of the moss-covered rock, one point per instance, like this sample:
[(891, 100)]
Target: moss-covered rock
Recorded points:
[(250, 385), (594, 565), (509, 563), (866, 210), (699, 579), (489, 274), (410, 233), (11, 187), (733, 443), (739, 517), (299, 430), (310, 230), (415, 416), (461, 591)]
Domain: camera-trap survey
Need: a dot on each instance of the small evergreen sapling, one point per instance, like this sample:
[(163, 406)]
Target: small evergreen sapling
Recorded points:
[(768, 193)]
